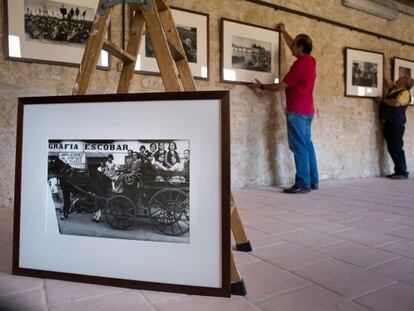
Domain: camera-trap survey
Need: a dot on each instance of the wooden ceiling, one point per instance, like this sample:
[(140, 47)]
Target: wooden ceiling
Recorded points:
[(406, 2)]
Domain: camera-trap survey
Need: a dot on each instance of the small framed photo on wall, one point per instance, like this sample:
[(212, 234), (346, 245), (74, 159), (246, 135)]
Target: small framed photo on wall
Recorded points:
[(404, 67), (50, 32), (364, 72), (193, 29), (248, 52)]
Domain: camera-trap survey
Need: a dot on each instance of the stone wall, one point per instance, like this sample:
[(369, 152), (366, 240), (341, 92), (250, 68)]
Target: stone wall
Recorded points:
[(346, 131)]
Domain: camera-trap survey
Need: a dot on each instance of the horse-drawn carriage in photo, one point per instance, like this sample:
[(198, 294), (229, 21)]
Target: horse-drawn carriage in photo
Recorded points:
[(163, 196)]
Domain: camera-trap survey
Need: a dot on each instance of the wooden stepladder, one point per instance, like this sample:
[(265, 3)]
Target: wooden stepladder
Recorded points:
[(156, 17)]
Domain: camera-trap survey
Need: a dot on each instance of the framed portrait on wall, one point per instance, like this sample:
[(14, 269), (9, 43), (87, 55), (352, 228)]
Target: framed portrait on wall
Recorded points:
[(132, 204), (50, 32), (404, 67), (193, 29), (248, 52), (363, 73)]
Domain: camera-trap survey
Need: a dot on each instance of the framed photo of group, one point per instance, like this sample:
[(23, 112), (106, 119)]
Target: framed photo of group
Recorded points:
[(363, 73), (134, 205), (50, 32), (404, 67), (193, 29), (249, 51)]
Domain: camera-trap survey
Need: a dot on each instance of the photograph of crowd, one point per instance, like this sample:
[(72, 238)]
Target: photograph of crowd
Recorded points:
[(364, 74), (121, 189), (188, 36), (404, 71), (57, 22), (250, 54)]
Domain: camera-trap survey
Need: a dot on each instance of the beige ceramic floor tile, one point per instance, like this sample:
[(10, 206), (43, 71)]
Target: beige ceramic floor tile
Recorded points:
[(126, 300), (274, 226), (310, 238), (155, 297), (405, 233), (312, 298), (197, 303), (32, 300), (366, 237), (401, 269), (243, 258), (358, 254), (59, 292), (398, 297), (323, 226), (288, 255), (342, 278), (11, 284), (402, 247), (264, 280), (373, 224)]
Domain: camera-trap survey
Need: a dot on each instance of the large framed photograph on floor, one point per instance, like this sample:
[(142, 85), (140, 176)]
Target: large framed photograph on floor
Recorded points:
[(404, 67), (249, 51), (134, 188), (364, 72), (50, 32)]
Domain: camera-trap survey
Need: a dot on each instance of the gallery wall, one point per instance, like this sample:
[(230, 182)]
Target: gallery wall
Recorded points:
[(346, 130)]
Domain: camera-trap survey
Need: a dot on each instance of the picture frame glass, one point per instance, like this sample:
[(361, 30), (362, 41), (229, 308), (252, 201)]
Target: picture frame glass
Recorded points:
[(364, 73), (148, 250), (249, 52), (193, 30), (48, 31), (404, 67)]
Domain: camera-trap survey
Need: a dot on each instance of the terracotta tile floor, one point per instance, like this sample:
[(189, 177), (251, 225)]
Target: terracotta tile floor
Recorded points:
[(348, 246)]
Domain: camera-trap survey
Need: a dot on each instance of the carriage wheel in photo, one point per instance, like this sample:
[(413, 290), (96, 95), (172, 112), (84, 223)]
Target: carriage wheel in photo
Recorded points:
[(120, 212), (169, 211), (129, 180)]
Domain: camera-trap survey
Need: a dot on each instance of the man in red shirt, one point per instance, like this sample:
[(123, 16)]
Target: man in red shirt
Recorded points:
[(298, 84)]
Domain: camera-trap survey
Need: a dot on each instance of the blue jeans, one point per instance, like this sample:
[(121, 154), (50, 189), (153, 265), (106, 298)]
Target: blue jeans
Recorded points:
[(299, 136)]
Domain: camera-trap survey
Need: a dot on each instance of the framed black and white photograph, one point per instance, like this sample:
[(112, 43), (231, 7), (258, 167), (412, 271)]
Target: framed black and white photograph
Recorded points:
[(136, 191), (51, 32), (363, 73), (404, 67), (248, 52), (193, 29)]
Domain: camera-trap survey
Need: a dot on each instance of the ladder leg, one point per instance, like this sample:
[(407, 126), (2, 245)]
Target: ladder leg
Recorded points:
[(174, 38), (134, 41), (237, 284), (92, 51), (163, 55), (242, 243)]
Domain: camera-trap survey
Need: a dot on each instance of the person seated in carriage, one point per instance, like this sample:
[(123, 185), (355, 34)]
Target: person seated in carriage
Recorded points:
[(160, 167), (151, 152), (160, 151), (132, 169), (142, 152), (186, 160), (172, 152), (176, 167)]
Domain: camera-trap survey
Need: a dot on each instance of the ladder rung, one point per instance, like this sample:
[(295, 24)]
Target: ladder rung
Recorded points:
[(118, 52)]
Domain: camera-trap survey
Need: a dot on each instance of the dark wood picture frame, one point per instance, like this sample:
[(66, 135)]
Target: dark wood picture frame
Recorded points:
[(125, 11), (347, 71), (278, 58), (223, 173), (395, 73), (40, 61)]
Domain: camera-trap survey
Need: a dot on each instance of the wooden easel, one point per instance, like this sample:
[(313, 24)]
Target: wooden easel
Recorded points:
[(156, 16)]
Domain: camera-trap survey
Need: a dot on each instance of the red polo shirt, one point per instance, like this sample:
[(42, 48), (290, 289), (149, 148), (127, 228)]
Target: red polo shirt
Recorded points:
[(301, 80)]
